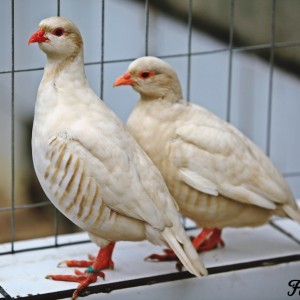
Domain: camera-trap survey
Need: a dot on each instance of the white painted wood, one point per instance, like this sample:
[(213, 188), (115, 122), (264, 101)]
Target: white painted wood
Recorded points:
[(289, 226), (269, 283)]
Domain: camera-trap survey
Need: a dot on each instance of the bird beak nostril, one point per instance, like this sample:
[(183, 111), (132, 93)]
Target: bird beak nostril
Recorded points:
[(127, 76)]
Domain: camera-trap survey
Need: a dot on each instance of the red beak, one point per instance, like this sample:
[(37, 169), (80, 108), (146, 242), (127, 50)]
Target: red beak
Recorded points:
[(38, 37), (124, 80)]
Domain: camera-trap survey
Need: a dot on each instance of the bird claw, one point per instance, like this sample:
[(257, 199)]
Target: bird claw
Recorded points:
[(89, 278), (179, 266), (168, 256), (83, 278), (78, 277), (77, 263), (90, 275), (62, 264)]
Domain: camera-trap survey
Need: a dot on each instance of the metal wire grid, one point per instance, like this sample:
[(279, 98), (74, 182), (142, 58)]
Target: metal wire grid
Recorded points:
[(230, 49)]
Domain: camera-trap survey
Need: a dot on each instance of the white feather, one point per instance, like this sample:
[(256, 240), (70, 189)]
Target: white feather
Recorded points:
[(198, 182)]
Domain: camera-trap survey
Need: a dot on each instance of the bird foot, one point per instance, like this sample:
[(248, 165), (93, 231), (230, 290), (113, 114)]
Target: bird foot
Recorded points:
[(107, 263), (84, 279), (168, 256), (208, 239), (95, 265)]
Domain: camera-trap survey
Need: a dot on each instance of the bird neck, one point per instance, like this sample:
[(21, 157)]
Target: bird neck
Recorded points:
[(165, 97), (169, 91), (61, 83), (68, 66)]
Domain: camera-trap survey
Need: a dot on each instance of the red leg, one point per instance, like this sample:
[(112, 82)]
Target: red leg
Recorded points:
[(102, 261), (207, 239)]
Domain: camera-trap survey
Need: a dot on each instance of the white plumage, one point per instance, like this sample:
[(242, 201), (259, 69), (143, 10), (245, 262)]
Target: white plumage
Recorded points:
[(89, 166), (218, 177)]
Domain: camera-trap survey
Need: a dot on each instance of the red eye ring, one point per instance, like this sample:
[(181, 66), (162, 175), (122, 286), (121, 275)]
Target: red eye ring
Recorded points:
[(145, 74), (58, 31)]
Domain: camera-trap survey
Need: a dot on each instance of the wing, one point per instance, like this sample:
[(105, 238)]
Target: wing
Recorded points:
[(98, 177), (216, 160)]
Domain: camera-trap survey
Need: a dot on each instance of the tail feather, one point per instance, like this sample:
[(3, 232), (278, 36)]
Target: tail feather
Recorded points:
[(185, 252), (292, 212)]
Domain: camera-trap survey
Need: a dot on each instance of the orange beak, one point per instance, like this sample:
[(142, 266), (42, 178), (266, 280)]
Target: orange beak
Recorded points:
[(38, 37), (125, 79)]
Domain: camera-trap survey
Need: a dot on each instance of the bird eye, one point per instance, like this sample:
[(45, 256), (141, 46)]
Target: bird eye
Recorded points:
[(144, 74), (58, 31)]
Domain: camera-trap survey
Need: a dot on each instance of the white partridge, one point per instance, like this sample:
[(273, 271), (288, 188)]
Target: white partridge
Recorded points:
[(90, 167), (218, 177)]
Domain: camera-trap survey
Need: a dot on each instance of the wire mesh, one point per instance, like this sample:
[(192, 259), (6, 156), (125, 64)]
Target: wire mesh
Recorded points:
[(270, 102), (12, 223), (231, 30), (189, 50), (146, 27), (189, 54)]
